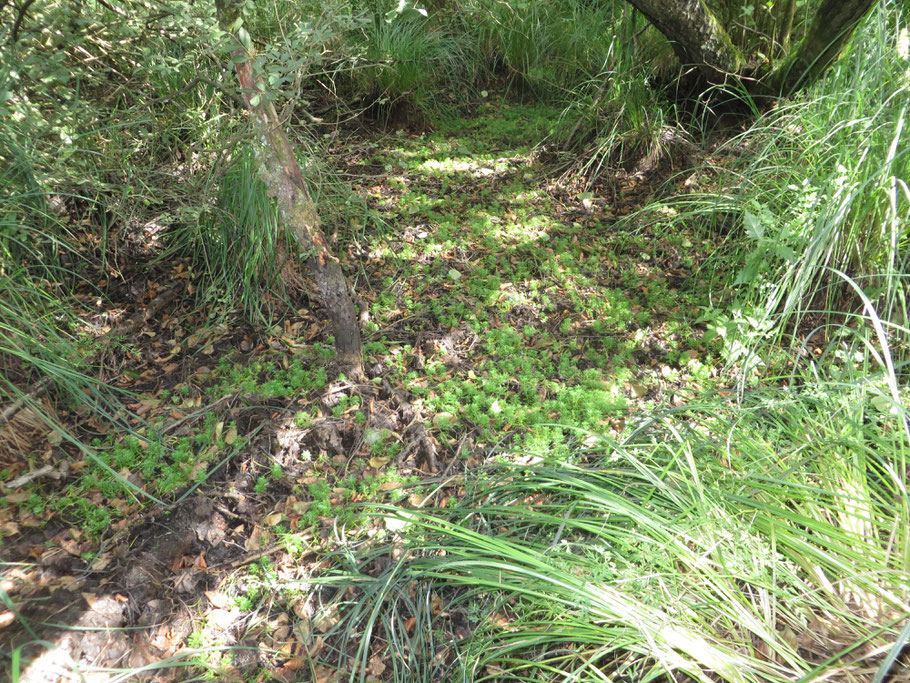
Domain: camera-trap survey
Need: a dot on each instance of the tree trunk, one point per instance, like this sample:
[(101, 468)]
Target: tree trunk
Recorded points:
[(782, 35), (698, 38), (696, 35), (283, 176), (827, 37)]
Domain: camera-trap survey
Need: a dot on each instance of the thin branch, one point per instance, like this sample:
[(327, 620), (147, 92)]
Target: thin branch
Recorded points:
[(14, 34)]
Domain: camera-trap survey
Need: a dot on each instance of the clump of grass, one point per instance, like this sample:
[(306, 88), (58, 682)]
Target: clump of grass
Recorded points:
[(760, 542), (816, 194), (412, 60), (240, 247), (548, 46)]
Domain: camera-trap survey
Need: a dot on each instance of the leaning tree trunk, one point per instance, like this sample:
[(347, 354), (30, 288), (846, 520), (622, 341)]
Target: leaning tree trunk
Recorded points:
[(827, 37), (282, 175), (699, 39)]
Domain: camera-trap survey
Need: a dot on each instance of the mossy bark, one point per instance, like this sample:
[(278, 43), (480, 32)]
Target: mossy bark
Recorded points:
[(700, 39), (828, 36), (697, 36)]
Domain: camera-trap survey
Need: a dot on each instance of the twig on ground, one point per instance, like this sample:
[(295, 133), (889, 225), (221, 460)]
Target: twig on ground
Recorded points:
[(199, 412), (257, 556), (28, 477)]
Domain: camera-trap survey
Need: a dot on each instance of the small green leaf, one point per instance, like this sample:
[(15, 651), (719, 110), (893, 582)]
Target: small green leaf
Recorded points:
[(785, 252), (244, 37), (755, 228), (753, 265)]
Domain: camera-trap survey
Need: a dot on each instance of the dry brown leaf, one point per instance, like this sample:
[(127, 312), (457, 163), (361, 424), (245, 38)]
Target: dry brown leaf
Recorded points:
[(326, 620), (218, 599), (376, 666), (101, 562), (294, 663), (252, 543), (273, 518), (316, 648)]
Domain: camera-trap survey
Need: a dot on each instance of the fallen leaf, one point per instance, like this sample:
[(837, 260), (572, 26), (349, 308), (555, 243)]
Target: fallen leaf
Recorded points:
[(101, 562), (218, 599), (294, 663), (71, 547), (326, 619), (316, 648), (637, 390), (252, 543), (273, 518), (376, 666), (299, 507), (222, 619), (144, 405)]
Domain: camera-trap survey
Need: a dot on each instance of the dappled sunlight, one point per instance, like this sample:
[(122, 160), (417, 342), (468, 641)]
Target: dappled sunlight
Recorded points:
[(452, 341)]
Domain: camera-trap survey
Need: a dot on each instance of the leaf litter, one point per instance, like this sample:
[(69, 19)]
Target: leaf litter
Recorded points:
[(500, 303)]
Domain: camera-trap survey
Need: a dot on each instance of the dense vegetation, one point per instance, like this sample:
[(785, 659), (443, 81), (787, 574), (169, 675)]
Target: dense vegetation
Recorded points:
[(632, 403)]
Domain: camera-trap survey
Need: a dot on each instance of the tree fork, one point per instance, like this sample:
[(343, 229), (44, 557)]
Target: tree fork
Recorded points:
[(700, 39), (283, 176)]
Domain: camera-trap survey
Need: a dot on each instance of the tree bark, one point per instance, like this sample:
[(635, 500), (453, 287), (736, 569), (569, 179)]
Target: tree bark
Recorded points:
[(782, 35), (697, 37), (832, 27), (283, 176)]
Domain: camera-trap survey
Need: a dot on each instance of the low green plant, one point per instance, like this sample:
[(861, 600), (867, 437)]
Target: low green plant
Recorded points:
[(704, 541), (803, 213), (413, 59)]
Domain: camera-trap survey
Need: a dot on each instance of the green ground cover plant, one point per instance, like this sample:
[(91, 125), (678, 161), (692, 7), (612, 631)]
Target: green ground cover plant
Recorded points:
[(634, 397)]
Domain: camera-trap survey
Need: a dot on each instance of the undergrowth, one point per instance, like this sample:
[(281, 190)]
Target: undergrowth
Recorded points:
[(675, 442)]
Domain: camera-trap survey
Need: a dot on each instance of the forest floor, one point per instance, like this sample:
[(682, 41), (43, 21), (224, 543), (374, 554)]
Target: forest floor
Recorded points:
[(511, 315)]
